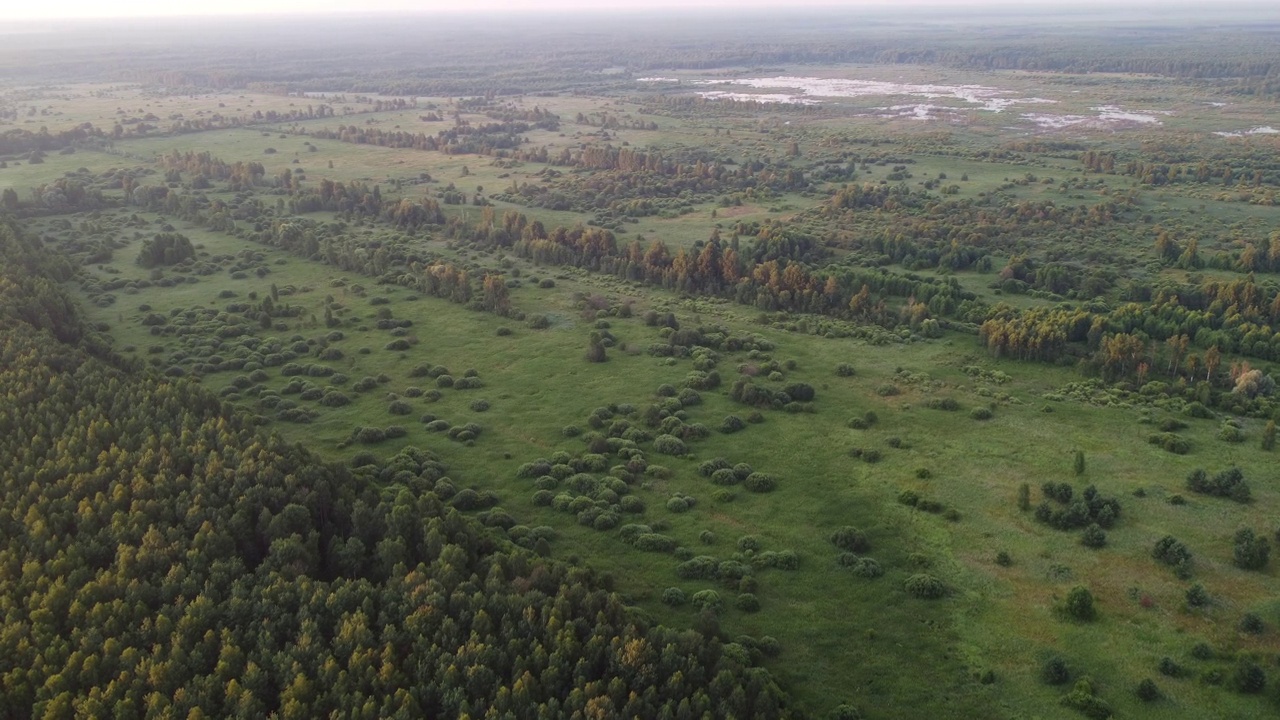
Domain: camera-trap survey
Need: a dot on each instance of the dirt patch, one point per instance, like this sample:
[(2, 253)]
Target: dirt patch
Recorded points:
[(737, 211), (728, 520)]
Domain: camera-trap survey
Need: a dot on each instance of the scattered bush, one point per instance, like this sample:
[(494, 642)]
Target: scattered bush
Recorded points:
[(1169, 668), (1252, 624), (1171, 551), (1093, 537), (925, 586), (1171, 442), (670, 445), (674, 597), (760, 482), (851, 539), (1055, 671), (866, 567), (845, 370), (707, 600), (1197, 596), (1229, 483), (1083, 700), (1248, 678), (1079, 604), (1250, 551), (747, 602)]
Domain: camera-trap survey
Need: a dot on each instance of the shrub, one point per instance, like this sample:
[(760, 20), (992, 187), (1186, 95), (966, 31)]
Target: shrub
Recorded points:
[(677, 505), (845, 370), (1252, 624), (1171, 551), (1083, 700), (1148, 691), (707, 600), (674, 597), (1202, 651), (480, 405), (981, 413), (1250, 551), (925, 586), (655, 542), (948, 404), (732, 424), (784, 560), (669, 445), (444, 381), (707, 467), (1171, 442), (725, 476), (369, 435), (747, 602), (1093, 537), (400, 407), (333, 398), (867, 568), (1229, 483), (1169, 668), (1003, 559), (1230, 433), (760, 482), (1079, 604), (1197, 596), (1055, 671), (851, 539), (1248, 678)]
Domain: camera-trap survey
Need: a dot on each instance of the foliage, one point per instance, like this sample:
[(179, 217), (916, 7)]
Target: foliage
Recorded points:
[(1079, 604), (1229, 483), (1250, 551), (925, 586)]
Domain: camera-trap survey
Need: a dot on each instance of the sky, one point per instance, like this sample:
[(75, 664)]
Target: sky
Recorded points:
[(86, 9)]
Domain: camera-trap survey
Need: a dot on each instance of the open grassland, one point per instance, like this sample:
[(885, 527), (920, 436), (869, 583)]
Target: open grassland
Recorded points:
[(535, 382), (923, 445)]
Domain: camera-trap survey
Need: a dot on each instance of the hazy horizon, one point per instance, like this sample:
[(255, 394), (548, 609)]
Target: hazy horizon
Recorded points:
[(144, 9)]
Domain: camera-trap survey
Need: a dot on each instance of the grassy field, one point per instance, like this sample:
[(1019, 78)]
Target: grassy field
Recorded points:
[(977, 652), (996, 618)]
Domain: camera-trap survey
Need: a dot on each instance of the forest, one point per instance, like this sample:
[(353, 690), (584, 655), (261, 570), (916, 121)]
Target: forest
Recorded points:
[(842, 365)]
